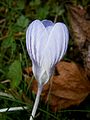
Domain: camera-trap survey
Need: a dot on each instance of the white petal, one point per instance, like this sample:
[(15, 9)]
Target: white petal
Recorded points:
[(36, 39), (66, 37), (49, 28), (56, 45)]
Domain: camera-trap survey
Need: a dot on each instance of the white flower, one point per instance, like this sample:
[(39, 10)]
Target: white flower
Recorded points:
[(46, 45)]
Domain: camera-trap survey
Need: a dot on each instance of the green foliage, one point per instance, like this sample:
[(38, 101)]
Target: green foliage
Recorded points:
[(43, 12), (22, 21), (15, 73), (35, 2), (9, 43), (20, 4)]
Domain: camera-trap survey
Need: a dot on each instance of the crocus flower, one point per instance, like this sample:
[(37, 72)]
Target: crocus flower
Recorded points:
[(46, 44)]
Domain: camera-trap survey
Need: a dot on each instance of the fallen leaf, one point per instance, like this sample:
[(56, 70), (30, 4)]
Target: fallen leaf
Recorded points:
[(28, 70), (79, 25), (69, 87), (80, 32), (87, 61)]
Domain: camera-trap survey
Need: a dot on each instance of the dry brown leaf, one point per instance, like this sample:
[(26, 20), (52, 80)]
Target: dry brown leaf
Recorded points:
[(69, 87), (79, 25), (28, 70), (87, 60), (80, 29)]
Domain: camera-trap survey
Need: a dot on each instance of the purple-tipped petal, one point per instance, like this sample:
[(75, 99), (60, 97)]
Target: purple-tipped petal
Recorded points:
[(47, 23)]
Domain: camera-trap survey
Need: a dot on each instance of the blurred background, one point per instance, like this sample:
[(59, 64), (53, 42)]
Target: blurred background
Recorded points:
[(15, 71)]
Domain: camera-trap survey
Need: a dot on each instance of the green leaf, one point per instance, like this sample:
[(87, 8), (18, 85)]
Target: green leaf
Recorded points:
[(22, 21), (15, 73), (20, 4), (9, 43), (35, 2), (42, 12)]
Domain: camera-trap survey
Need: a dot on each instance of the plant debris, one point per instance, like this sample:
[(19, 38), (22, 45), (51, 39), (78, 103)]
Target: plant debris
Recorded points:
[(70, 87), (80, 29)]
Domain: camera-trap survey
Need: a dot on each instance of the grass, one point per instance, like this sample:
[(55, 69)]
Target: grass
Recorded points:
[(15, 16)]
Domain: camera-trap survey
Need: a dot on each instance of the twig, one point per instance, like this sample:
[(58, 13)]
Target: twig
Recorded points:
[(13, 109), (16, 35), (55, 19), (6, 95), (1, 21), (48, 95), (5, 81), (3, 37)]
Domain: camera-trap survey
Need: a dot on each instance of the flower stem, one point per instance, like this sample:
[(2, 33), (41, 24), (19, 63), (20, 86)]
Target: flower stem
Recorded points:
[(36, 102)]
